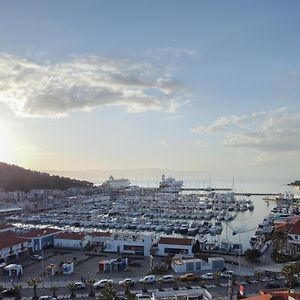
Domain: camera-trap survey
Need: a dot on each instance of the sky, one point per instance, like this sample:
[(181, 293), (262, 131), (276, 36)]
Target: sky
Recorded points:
[(210, 87)]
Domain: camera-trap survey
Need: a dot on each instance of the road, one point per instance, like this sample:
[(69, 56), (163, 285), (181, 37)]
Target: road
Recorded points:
[(215, 290)]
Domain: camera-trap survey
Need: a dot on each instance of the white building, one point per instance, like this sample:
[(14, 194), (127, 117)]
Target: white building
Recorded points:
[(12, 246), (72, 240), (191, 294), (130, 243), (187, 264), (99, 238), (171, 245)]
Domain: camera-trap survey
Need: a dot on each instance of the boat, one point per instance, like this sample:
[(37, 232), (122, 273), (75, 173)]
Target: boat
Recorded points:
[(170, 185), (113, 183)]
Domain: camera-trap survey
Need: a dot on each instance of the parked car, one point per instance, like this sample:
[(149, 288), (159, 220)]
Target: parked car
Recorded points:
[(36, 257), (101, 283), (148, 279), (189, 277), (127, 281), (208, 276), (167, 278), (142, 297), (9, 293), (227, 274), (47, 298), (79, 285)]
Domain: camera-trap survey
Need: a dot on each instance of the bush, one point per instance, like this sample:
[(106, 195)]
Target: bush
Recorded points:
[(252, 254), (279, 257)]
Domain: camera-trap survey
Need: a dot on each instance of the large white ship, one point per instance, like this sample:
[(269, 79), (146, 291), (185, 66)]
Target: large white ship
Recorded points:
[(121, 183), (170, 185)]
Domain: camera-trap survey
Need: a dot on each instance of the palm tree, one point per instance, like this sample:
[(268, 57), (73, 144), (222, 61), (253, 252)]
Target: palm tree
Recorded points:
[(217, 277), (34, 282), (90, 285), (53, 289), (280, 239), (289, 272), (175, 285), (17, 289), (71, 287), (127, 286), (160, 284), (108, 292)]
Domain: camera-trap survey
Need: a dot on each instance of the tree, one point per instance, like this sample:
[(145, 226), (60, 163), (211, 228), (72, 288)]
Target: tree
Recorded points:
[(17, 289), (196, 247), (290, 271), (90, 285), (53, 289), (252, 254), (280, 239), (217, 277), (34, 282), (160, 285), (108, 292), (71, 287), (127, 285)]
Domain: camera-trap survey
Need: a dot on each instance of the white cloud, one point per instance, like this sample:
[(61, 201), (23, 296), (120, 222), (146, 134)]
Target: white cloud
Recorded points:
[(86, 83), (163, 143), (273, 131)]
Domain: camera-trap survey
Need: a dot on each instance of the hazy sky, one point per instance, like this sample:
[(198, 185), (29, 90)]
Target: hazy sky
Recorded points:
[(208, 86)]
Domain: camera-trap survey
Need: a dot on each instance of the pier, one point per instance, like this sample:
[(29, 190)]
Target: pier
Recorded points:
[(209, 189)]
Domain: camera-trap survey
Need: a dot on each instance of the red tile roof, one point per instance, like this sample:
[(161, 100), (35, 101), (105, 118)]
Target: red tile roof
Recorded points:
[(40, 232), (101, 234), (175, 241), (6, 226), (9, 239), (71, 236)]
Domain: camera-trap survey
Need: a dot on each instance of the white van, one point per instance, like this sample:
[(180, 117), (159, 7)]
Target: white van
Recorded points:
[(148, 279)]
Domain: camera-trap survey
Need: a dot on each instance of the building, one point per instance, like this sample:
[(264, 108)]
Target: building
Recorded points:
[(192, 294), (170, 245), (130, 243), (72, 240), (12, 246), (7, 227), (188, 264), (100, 238), (41, 238), (279, 294)]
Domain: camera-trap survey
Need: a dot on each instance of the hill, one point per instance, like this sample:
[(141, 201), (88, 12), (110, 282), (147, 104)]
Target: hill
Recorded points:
[(13, 178)]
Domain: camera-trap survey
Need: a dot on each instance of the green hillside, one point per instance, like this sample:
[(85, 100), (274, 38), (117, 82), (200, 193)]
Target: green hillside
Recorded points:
[(13, 178)]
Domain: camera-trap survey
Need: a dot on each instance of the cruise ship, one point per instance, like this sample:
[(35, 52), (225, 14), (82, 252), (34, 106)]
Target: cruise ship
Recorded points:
[(113, 183), (170, 185)]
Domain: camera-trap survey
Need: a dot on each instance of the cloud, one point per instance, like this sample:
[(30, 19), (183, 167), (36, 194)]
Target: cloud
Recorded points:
[(273, 131), (85, 83)]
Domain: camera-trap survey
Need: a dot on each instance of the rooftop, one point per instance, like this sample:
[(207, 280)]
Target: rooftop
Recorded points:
[(71, 236), (40, 232), (175, 241), (9, 239)]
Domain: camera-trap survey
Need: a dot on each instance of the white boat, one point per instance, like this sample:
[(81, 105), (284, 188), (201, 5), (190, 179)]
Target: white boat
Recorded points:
[(113, 183), (170, 185)]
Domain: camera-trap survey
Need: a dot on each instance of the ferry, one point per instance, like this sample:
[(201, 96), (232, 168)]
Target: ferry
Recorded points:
[(170, 185)]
